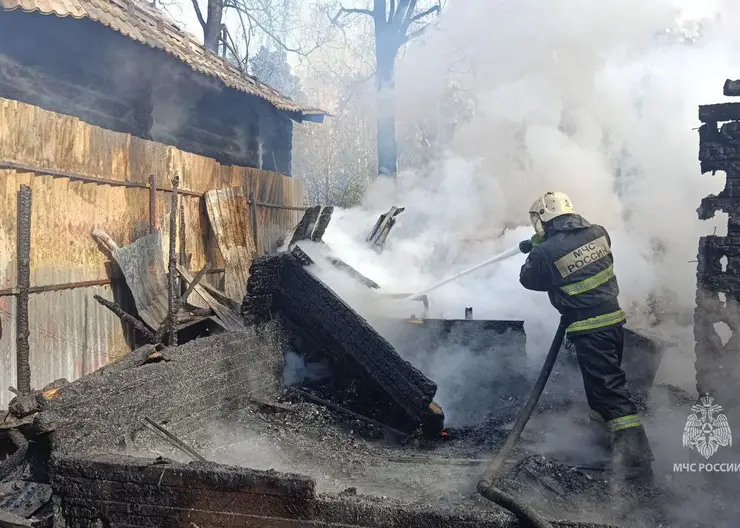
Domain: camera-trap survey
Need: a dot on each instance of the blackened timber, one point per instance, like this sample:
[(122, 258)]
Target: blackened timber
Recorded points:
[(341, 265), (23, 366), (172, 270), (715, 113), (279, 284), (731, 88), (322, 223), (126, 317), (305, 226)]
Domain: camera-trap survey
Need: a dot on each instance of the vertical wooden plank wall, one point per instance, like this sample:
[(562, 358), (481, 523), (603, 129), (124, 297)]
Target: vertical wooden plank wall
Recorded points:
[(71, 334)]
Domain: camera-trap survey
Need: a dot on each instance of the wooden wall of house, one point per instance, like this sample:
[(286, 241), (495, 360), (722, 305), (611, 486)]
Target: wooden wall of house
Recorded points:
[(84, 69), (70, 333)]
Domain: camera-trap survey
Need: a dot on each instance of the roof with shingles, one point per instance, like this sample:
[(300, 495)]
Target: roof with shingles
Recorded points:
[(147, 25)]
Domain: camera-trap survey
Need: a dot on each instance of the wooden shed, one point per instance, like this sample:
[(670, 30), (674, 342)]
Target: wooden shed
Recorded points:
[(96, 98)]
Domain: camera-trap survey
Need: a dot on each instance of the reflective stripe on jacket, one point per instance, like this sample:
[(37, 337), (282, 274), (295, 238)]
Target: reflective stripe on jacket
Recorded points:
[(574, 265)]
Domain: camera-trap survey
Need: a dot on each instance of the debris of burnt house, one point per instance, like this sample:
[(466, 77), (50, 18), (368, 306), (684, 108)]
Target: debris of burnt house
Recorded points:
[(142, 265), (718, 287), (188, 387), (498, 348), (242, 232), (312, 228), (320, 323), (207, 494), (382, 228)]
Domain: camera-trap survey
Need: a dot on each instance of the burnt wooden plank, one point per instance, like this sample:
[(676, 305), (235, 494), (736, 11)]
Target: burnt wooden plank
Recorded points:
[(279, 283), (305, 227), (731, 88), (120, 474), (98, 411), (322, 223), (257, 499), (714, 113)]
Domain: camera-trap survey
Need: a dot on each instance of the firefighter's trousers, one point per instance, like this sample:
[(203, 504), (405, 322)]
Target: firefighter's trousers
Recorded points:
[(600, 360)]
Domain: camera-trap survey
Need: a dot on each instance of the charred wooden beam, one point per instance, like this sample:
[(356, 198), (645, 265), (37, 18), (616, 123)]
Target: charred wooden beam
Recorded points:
[(222, 306), (322, 223), (279, 284), (379, 234), (715, 113), (305, 227), (23, 366), (172, 439), (180, 302), (126, 317), (172, 270), (731, 88)]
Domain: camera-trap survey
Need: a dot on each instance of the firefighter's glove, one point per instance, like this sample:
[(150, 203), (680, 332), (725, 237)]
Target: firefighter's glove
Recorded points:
[(526, 246)]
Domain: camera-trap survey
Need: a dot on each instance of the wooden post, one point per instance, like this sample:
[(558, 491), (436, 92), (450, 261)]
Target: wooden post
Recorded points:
[(172, 271), (152, 204), (183, 254), (23, 364), (253, 211)]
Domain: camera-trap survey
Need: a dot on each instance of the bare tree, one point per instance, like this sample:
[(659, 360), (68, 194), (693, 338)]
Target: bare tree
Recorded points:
[(395, 22), (212, 26), (268, 21), (336, 159)]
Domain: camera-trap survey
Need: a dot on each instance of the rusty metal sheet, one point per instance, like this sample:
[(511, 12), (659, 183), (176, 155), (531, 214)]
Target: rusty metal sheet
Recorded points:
[(71, 335), (146, 25), (142, 264), (228, 212)]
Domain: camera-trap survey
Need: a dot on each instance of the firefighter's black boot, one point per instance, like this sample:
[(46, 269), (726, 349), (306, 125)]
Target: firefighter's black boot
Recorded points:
[(632, 457)]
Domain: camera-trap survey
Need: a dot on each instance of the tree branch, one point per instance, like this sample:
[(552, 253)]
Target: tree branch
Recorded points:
[(433, 9), (404, 12), (231, 46), (240, 8), (199, 14), (345, 11), (415, 34)]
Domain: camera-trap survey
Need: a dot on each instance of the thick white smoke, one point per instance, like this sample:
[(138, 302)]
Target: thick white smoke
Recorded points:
[(597, 99)]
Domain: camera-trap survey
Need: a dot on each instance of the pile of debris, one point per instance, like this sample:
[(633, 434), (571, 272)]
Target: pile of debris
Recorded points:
[(206, 394)]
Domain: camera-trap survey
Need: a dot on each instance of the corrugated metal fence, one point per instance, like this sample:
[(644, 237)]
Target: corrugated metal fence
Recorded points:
[(82, 178)]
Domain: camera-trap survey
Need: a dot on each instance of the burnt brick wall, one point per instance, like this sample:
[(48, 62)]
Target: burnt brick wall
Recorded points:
[(718, 289), (116, 491), (186, 387)]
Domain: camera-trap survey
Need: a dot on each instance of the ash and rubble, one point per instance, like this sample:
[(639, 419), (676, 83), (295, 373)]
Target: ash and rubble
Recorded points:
[(310, 387)]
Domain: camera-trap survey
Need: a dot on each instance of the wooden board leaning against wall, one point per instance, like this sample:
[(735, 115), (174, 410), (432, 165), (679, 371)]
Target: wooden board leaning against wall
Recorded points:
[(70, 333)]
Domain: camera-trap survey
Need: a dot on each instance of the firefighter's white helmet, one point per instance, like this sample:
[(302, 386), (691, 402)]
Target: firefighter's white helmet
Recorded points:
[(548, 206)]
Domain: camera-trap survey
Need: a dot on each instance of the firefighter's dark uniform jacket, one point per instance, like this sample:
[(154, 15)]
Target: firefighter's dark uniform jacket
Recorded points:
[(574, 265)]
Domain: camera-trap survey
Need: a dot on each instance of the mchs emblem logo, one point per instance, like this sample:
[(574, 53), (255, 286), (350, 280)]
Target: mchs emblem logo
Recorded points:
[(707, 429)]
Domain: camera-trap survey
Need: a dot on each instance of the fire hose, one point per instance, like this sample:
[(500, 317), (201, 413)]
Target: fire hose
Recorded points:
[(485, 484)]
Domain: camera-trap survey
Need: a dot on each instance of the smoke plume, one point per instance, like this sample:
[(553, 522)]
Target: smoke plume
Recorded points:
[(598, 100)]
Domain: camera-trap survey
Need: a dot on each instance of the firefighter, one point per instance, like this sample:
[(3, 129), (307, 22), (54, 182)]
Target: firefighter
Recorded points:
[(571, 260)]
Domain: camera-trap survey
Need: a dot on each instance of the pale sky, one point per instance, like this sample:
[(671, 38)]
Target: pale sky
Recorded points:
[(184, 14)]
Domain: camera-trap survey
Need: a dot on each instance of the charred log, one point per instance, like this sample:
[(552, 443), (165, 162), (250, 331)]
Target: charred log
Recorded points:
[(718, 260), (319, 320), (304, 229)]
